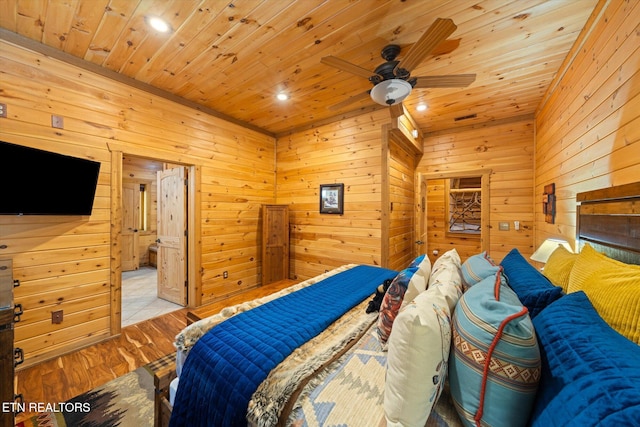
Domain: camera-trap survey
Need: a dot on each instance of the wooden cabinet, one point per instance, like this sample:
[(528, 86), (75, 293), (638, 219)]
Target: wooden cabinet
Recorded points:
[(8, 313), (275, 243)]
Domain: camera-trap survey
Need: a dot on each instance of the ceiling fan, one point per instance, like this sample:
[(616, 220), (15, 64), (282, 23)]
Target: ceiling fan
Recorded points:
[(392, 81)]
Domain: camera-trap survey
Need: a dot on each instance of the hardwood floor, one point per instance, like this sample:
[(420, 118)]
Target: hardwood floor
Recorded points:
[(64, 377)]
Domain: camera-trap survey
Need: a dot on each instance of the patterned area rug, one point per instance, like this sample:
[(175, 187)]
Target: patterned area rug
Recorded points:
[(126, 401)]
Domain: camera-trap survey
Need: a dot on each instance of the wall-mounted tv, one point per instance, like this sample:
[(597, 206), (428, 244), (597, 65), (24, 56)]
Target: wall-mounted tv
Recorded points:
[(38, 182)]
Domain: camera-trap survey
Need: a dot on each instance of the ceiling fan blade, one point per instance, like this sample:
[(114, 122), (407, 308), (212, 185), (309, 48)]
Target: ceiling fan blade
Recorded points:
[(343, 65), (356, 98), (435, 34), (453, 80)]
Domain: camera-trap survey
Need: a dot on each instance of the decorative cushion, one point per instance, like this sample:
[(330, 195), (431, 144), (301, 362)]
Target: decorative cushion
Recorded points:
[(393, 300), (613, 288), (558, 267), (446, 269), (423, 264), (533, 289), (476, 268), (418, 356), (495, 366), (590, 373)]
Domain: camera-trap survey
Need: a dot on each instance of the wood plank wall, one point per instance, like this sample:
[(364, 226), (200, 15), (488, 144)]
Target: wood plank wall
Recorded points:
[(588, 128), (65, 263), (507, 150), (348, 152), (401, 183)]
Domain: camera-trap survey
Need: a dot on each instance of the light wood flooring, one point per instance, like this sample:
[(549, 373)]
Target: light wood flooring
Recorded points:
[(64, 377)]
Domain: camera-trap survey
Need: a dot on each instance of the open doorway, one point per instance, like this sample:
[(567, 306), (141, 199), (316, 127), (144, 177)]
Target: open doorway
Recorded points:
[(141, 297)]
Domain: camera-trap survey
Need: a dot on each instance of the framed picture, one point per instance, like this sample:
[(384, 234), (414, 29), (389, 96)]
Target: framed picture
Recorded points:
[(332, 198)]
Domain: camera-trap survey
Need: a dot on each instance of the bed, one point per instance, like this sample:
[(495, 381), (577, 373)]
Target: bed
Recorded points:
[(461, 343)]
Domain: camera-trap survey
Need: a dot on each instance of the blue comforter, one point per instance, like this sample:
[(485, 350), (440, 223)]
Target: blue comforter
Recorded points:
[(227, 364)]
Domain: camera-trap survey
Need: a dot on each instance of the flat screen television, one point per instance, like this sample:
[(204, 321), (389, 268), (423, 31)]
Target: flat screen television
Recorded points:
[(39, 182)]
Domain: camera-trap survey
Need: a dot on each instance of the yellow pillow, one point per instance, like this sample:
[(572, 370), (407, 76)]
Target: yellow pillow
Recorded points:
[(613, 288), (558, 267)]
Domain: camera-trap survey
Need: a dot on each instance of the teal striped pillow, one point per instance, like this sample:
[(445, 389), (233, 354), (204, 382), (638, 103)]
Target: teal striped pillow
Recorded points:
[(476, 268), (494, 368)]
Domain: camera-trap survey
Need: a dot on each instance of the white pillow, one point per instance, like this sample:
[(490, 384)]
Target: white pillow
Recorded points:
[(418, 355), (446, 269), (423, 263), (419, 281)]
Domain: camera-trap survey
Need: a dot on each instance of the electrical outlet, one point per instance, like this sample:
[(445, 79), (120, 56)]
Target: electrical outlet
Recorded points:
[(225, 274), (3, 110), (56, 317), (503, 226)]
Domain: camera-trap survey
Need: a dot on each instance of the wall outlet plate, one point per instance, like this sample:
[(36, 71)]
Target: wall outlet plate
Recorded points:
[(503, 226), (56, 317), (57, 122)]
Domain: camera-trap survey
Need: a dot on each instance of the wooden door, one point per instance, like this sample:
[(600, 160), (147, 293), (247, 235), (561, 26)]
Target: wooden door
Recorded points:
[(130, 225), (172, 235), (420, 246), (275, 245)]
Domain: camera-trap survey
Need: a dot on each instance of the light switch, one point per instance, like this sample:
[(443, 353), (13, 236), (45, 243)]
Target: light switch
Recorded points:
[(503, 226), (57, 122)]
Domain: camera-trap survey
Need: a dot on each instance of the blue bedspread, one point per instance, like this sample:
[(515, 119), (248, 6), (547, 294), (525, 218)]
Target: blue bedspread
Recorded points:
[(228, 363)]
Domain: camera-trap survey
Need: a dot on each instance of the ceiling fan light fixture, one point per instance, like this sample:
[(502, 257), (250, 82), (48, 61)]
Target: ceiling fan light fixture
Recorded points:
[(390, 92)]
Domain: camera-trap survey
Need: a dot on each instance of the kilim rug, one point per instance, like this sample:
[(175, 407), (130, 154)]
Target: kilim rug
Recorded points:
[(127, 401)]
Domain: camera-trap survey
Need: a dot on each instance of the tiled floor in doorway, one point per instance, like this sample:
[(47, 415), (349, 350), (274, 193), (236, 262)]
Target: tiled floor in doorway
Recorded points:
[(140, 296)]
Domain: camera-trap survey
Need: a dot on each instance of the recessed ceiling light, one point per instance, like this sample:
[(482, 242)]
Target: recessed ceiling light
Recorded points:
[(282, 96), (421, 107), (158, 24)]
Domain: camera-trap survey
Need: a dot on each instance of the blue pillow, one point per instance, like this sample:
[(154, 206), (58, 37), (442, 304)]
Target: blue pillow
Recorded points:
[(590, 373), (477, 268), (494, 367), (533, 289)]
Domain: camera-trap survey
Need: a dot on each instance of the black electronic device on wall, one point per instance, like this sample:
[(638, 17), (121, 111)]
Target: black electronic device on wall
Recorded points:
[(39, 182)]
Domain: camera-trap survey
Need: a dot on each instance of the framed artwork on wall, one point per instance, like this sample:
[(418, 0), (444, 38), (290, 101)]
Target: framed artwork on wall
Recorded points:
[(332, 198), (549, 203)]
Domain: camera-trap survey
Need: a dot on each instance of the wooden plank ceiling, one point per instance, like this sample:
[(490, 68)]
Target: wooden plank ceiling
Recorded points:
[(234, 56)]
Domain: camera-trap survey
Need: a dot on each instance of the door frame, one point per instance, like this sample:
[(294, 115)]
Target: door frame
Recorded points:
[(422, 224), (193, 259)]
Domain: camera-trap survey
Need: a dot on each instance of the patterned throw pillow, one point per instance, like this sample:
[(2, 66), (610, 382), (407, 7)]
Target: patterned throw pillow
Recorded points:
[(418, 356), (393, 300), (495, 366), (559, 266), (423, 264), (613, 288), (477, 268)]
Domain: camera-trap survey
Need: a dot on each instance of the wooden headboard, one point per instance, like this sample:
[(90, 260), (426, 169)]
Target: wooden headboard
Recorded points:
[(609, 220)]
